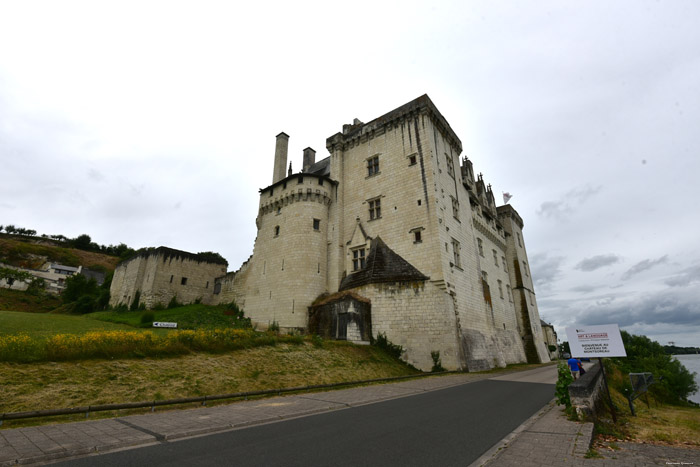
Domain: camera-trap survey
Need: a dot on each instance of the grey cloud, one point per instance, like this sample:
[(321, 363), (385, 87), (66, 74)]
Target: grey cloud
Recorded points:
[(685, 278), (660, 308), (545, 269), (585, 288), (561, 209), (643, 266), (597, 262)]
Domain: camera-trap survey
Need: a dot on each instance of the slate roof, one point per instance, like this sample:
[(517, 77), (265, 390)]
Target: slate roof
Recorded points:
[(382, 265), (322, 167)]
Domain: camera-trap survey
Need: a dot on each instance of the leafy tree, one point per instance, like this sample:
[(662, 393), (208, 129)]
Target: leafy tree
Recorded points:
[(10, 229), (81, 242), (78, 286), (674, 383)]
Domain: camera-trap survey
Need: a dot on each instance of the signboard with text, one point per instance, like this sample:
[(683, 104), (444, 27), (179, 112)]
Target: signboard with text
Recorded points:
[(596, 341), (164, 324)]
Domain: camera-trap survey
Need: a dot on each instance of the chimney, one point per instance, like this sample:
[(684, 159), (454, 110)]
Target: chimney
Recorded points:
[(309, 159), (280, 157)]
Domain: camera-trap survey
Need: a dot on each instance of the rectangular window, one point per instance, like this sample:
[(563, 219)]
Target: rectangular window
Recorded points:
[(500, 288), (183, 281), (456, 249), (455, 207), (277, 230), (171, 279), (525, 269), (480, 244), (450, 166), (505, 265), (412, 160), (495, 257), (358, 259), (510, 294), (320, 181), (520, 243), (317, 224), (372, 166), (375, 209), (207, 286), (300, 180)]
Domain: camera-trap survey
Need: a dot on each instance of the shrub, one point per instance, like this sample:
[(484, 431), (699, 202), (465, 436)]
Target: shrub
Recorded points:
[(561, 390), (274, 327), (437, 363), (147, 317), (383, 343), (85, 304)]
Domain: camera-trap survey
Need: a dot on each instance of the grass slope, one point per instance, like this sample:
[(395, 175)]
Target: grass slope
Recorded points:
[(17, 300), (68, 384), (32, 253), (42, 325), (186, 317)]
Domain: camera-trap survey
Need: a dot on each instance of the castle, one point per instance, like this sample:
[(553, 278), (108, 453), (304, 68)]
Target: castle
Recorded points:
[(391, 234)]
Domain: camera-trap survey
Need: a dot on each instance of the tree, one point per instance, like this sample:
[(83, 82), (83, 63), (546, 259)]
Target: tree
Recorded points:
[(10, 229), (82, 242)]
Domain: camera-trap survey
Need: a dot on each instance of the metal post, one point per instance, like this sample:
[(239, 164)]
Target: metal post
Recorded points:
[(607, 390)]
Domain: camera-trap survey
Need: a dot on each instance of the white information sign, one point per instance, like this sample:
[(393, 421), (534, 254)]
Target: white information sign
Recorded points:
[(164, 324), (596, 341)]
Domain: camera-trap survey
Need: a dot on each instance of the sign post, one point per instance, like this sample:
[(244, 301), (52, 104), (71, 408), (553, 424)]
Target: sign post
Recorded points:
[(597, 341)]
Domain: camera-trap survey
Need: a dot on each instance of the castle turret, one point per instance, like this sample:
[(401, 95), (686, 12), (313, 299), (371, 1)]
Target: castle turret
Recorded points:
[(280, 157)]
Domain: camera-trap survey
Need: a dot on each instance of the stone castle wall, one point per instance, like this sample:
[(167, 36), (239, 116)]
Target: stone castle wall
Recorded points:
[(160, 276)]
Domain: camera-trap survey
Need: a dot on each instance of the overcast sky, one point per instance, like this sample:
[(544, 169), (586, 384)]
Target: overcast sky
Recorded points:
[(154, 123)]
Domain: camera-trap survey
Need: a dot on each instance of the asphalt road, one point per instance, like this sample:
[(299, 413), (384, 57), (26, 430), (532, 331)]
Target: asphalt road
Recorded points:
[(452, 426)]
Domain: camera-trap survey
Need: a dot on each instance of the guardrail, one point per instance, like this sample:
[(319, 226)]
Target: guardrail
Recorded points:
[(201, 399)]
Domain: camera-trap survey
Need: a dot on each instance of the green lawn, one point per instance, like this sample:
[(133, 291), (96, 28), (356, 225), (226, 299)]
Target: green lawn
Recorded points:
[(42, 325), (186, 317)]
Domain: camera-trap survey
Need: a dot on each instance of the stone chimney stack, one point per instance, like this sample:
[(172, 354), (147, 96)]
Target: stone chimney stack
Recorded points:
[(309, 159), (280, 157)]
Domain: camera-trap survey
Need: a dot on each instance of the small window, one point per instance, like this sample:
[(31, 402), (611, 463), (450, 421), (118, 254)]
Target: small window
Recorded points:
[(525, 269), (532, 299), (480, 244), (505, 265), (412, 160), (495, 257), (510, 293), (520, 243), (171, 279), (372, 166), (358, 259), (320, 181), (455, 208), (271, 191), (317, 224), (207, 286), (456, 250), (500, 288), (417, 236), (300, 180), (277, 230), (485, 276), (419, 202), (375, 209), (183, 281), (279, 211)]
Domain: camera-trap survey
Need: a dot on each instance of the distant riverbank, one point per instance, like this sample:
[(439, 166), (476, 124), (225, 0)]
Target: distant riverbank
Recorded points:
[(692, 363)]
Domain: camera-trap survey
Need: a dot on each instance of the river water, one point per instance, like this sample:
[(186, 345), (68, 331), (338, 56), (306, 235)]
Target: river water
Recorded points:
[(692, 363)]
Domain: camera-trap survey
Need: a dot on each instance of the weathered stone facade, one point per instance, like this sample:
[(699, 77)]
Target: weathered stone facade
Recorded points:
[(450, 273), (159, 274)]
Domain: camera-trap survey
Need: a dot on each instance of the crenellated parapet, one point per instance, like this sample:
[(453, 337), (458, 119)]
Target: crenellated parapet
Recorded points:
[(274, 198)]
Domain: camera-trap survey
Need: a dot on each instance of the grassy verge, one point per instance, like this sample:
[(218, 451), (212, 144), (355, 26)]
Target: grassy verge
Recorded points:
[(657, 423), (41, 325), (70, 384), (17, 300), (186, 317)]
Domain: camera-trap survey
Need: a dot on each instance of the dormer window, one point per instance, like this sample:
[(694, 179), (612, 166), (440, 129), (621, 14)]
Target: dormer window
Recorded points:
[(358, 259)]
